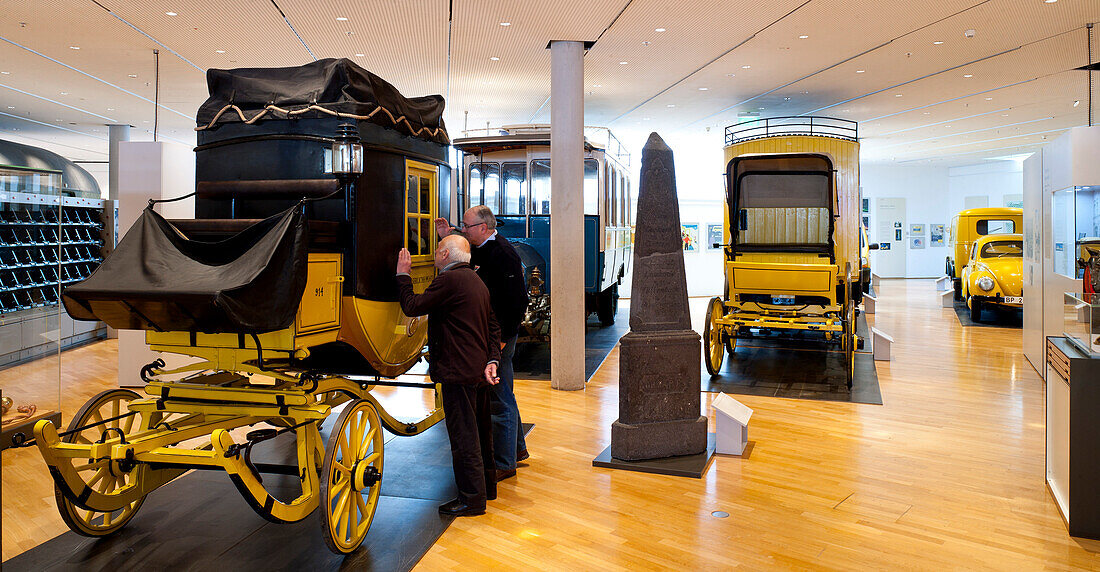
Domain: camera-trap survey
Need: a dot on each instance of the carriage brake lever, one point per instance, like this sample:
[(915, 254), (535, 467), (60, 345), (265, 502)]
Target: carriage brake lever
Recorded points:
[(252, 438)]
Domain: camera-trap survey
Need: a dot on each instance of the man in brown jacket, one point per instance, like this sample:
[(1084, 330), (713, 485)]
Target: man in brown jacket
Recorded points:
[(464, 343)]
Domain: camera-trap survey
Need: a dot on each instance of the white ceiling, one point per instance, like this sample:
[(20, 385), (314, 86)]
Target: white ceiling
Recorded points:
[(875, 62)]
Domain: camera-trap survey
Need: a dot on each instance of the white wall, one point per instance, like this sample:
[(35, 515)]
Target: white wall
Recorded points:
[(933, 195)]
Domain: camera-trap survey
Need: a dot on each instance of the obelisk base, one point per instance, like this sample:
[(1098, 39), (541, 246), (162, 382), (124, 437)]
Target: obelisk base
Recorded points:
[(659, 439)]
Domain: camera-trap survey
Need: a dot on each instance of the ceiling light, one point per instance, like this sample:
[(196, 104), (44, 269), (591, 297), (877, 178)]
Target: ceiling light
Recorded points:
[(341, 19), (1050, 1), (110, 109), (937, 43), (658, 30), (597, 85), (786, 99), (730, 75), (745, 67), (969, 33), (74, 47), (897, 95), (219, 51), (968, 75), (646, 43), (845, 110), (359, 55), (1004, 115), (622, 63), (64, 93), (927, 113), (505, 24), (5, 72), (645, 119), (989, 99), (671, 105), (803, 37), (760, 108), (11, 107), (703, 88), (494, 59), (133, 75), (1076, 102), (860, 71), (170, 14)]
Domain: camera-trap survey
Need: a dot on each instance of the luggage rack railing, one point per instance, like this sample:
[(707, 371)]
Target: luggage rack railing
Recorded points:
[(792, 125)]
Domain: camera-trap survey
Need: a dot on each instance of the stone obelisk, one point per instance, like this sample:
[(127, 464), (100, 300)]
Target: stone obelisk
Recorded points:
[(659, 389)]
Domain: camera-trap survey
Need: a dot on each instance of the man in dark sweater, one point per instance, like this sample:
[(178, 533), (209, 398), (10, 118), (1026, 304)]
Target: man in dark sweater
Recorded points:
[(464, 342), (499, 266)]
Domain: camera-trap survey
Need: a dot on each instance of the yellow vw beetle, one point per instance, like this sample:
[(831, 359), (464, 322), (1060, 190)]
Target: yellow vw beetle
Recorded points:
[(994, 275)]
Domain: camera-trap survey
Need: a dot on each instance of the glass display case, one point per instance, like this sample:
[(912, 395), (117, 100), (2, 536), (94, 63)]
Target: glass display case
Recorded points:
[(1081, 322), (1076, 228), (31, 234)]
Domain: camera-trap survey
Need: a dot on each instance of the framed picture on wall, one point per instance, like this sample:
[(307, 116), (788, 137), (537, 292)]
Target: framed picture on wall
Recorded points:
[(866, 222), (935, 236), (690, 235), (866, 205), (916, 229), (916, 242), (714, 236)]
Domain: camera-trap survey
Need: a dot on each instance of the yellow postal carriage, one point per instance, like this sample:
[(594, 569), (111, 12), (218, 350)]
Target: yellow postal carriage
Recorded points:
[(278, 297), (792, 231)]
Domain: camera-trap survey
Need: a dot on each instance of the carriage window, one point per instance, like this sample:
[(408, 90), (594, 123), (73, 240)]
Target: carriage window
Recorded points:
[(540, 186), (996, 227), (591, 187), (485, 185), (515, 196), (419, 211), (623, 194), (784, 209), (774, 190)]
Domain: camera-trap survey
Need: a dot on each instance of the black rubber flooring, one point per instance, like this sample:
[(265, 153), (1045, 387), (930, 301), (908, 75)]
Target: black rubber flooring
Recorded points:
[(992, 317), (796, 368), (532, 360), (201, 522)]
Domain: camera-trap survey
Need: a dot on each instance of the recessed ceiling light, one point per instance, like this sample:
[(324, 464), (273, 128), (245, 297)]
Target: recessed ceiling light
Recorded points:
[(74, 47), (64, 93), (786, 99), (133, 75), (968, 75), (803, 37), (645, 119), (745, 67), (597, 85), (110, 109), (731, 75), (1076, 102), (989, 99), (1050, 1), (927, 113), (1004, 115), (5, 72), (897, 95), (359, 55), (646, 43), (341, 19), (622, 63), (219, 51), (937, 43), (845, 110), (671, 105), (703, 88), (11, 107), (760, 108), (658, 30), (505, 24), (494, 58), (860, 71), (170, 14)]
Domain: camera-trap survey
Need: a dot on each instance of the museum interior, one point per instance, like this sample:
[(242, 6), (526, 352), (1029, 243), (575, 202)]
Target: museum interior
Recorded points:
[(822, 287)]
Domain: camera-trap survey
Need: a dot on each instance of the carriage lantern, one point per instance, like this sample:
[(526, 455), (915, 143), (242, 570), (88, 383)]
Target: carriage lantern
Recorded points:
[(347, 153)]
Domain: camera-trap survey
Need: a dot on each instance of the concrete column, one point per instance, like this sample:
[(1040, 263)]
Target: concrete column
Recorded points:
[(567, 210), (116, 134)]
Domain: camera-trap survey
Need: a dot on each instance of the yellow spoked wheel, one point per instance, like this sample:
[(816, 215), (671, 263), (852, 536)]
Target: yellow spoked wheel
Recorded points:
[(713, 342), (351, 478), (103, 476)]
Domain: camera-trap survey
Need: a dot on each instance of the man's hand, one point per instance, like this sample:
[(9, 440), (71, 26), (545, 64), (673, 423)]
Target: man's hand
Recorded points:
[(491, 374), (404, 261), (442, 227)]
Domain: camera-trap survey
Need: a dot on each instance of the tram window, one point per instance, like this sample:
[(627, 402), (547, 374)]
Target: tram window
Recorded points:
[(515, 197), (623, 194), (612, 194), (540, 186), (591, 187), (485, 185)]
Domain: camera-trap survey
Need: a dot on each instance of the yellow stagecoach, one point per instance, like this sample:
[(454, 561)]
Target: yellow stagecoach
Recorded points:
[(792, 231), (280, 296)]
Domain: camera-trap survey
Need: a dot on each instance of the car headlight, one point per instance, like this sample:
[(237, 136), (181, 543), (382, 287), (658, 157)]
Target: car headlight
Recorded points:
[(985, 283)]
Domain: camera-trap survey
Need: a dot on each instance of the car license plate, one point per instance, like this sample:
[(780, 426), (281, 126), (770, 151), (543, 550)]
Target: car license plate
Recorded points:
[(1014, 299)]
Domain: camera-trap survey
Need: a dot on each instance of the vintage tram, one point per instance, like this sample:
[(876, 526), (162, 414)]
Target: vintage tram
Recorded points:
[(510, 173), (791, 234), (280, 292)]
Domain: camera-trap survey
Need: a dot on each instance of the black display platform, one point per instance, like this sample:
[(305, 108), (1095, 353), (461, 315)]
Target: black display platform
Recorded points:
[(532, 360), (992, 317), (201, 521), (776, 370), (683, 466)]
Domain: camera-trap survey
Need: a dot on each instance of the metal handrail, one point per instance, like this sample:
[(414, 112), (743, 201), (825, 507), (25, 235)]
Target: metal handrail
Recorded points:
[(820, 126)]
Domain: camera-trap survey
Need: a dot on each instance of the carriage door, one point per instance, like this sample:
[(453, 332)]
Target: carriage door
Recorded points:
[(421, 186)]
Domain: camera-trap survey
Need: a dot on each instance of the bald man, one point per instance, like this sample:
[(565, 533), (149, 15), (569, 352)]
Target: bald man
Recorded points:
[(464, 343)]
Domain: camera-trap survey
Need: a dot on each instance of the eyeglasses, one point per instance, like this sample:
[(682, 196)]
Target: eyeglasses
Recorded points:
[(465, 226)]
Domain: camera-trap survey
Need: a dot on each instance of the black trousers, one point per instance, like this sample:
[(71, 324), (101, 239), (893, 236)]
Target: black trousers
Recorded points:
[(470, 429)]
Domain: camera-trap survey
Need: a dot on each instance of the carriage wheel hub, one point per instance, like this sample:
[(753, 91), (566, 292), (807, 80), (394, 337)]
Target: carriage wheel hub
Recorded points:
[(364, 476)]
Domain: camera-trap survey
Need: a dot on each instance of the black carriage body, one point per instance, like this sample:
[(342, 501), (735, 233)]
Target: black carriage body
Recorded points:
[(252, 171)]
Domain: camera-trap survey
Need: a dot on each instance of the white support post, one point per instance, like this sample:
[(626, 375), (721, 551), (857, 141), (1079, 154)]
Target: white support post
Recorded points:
[(567, 208), (947, 299), (943, 283), (874, 281), (869, 303), (880, 345)]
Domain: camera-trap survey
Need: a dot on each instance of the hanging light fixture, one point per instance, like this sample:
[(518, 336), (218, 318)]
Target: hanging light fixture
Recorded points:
[(347, 152)]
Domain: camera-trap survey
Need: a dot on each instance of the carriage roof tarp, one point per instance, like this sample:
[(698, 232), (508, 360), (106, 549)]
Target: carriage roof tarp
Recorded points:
[(319, 89), (157, 279)]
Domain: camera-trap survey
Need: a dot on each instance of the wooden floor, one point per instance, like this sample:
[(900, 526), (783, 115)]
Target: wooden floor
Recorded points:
[(948, 473)]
